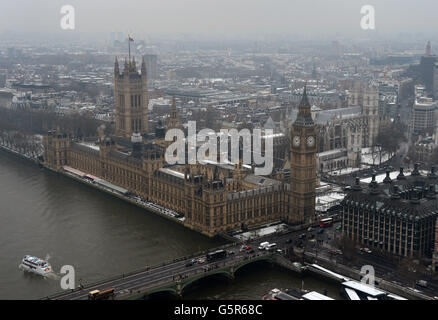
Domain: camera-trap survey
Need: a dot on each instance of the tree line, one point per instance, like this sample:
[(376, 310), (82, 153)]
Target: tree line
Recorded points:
[(28, 121)]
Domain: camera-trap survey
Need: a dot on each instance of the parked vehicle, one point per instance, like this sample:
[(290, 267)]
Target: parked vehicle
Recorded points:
[(216, 255), (271, 246), (325, 223), (263, 245), (422, 283), (320, 231)]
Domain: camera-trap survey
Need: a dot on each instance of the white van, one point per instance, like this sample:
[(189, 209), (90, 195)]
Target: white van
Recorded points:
[(271, 246), (263, 245)]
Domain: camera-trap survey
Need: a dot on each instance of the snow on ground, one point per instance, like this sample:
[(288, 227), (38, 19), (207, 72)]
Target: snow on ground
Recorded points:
[(367, 157), (393, 175), (328, 200), (263, 231), (347, 170)]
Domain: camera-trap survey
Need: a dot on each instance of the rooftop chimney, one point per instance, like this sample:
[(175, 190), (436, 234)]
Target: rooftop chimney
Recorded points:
[(373, 185), (387, 178), (432, 174), (357, 186), (416, 172), (395, 193), (431, 193), (415, 198), (401, 175)]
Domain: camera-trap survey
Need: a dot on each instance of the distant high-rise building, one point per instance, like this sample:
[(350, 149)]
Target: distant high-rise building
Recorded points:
[(151, 66), (423, 115), (435, 80), (427, 66), (112, 38), (428, 49), (3, 77)]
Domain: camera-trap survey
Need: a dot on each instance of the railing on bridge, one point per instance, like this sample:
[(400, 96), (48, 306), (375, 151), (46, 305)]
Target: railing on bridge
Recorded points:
[(144, 269), (178, 285)]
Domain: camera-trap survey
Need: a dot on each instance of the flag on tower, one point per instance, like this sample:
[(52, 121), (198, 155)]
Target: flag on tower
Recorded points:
[(130, 39)]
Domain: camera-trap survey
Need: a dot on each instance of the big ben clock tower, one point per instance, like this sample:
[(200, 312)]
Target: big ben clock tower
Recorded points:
[(302, 165)]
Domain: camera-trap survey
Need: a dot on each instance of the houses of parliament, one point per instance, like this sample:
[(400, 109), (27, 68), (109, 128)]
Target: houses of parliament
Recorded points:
[(213, 197)]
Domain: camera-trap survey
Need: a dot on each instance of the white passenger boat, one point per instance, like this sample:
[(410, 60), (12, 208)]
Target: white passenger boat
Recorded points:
[(35, 265)]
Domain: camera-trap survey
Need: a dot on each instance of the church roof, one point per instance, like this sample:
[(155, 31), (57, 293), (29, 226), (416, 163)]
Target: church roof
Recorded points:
[(324, 116)]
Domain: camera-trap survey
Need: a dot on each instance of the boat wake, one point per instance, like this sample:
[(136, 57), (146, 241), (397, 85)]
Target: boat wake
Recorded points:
[(51, 275), (38, 267)]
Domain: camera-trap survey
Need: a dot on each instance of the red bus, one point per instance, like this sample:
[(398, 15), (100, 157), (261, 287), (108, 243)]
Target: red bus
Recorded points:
[(325, 223)]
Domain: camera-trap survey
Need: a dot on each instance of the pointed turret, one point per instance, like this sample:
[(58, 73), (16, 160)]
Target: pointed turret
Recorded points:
[(143, 67), (304, 117), (116, 67), (126, 66), (173, 122)]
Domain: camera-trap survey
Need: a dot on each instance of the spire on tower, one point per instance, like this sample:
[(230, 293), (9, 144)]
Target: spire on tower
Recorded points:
[(173, 122), (428, 49), (116, 67), (304, 100), (143, 64), (304, 117)]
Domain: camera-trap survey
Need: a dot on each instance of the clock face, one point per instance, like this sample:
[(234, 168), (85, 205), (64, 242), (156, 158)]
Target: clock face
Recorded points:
[(296, 141), (311, 141)]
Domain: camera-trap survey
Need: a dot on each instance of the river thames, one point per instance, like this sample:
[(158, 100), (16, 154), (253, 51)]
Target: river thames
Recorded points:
[(54, 217)]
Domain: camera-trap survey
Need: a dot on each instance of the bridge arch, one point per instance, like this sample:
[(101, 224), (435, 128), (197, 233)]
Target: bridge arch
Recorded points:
[(245, 263), (221, 274), (160, 294)]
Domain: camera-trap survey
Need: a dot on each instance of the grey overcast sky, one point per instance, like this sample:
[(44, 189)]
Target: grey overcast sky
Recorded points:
[(219, 17)]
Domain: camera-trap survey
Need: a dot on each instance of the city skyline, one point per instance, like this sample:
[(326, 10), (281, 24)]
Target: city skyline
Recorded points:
[(224, 19)]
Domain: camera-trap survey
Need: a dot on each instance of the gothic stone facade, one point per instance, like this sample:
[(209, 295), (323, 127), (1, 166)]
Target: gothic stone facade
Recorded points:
[(213, 197)]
